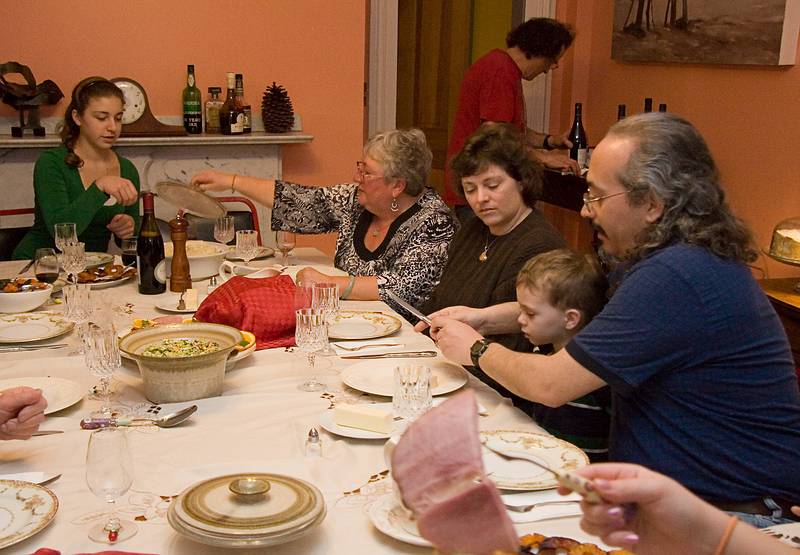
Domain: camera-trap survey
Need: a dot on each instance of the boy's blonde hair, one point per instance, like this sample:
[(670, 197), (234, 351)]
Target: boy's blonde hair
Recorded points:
[(569, 279)]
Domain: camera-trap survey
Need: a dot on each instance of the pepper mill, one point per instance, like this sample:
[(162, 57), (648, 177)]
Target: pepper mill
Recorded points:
[(179, 280)]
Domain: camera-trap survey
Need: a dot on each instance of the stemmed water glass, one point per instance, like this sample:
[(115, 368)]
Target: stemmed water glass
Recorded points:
[(247, 245), (311, 336), (102, 358), (77, 304), (224, 230), (285, 241), (65, 233), (109, 474), (74, 259), (325, 298)]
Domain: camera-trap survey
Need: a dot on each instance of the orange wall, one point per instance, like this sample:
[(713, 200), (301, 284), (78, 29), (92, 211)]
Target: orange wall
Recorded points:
[(750, 116), (314, 48)]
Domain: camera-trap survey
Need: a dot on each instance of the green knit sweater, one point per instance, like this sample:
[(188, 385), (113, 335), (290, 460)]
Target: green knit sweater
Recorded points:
[(61, 197)]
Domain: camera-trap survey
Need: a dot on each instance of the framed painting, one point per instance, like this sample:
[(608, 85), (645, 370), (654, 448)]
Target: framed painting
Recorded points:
[(740, 32)]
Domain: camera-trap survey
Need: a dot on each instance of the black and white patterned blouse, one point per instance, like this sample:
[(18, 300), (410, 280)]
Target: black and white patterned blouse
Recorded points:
[(410, 259)]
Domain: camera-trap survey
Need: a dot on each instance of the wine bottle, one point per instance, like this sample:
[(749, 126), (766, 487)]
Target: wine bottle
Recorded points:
[(662, 107), (231, 116), (620, 112), (192, 108), (648, 105), (577, 135), (149, 250), (248, 115)]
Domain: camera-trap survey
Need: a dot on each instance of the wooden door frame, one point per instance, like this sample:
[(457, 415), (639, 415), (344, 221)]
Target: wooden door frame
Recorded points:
[(382, 75)]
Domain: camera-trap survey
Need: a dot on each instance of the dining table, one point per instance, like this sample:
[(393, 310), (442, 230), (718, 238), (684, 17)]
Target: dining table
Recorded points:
[(260, 423)]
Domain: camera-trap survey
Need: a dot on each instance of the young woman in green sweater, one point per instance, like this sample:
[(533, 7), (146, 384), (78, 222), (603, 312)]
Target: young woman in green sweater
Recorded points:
[(77, 181)]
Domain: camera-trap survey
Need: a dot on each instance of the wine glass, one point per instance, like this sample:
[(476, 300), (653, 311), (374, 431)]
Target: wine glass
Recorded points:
[(74, 259), (224, 230), (109, 474), (102, 358), (246, 245), (78, 309), (325, 298), (65, 233), (45, 265), (311, 336), (285, 241), (128, 247)]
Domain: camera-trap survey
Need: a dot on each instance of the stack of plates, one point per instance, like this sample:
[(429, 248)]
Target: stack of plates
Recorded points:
[(210, 513)]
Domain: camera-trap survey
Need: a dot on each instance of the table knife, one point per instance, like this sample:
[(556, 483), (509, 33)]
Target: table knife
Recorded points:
[(17, 349), (46, 433), (407, 354), (402, 302), (26, 268)]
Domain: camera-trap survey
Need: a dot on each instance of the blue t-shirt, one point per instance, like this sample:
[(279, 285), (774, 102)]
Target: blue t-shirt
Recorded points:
[(702, 377)]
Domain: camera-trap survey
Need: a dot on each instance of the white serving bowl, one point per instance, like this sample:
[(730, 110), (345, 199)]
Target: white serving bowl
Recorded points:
[(173, 380), (201, 266), (25, 301)]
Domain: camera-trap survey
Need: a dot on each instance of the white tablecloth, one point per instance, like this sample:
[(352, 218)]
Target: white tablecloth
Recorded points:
[(259, 423)]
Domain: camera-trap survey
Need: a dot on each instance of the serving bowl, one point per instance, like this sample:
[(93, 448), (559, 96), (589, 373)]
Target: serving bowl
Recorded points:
[(204, 259), (24, 301), (186, 378)]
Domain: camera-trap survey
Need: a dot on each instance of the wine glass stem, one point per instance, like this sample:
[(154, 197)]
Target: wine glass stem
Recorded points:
[(112, 522), (105, 396), (311, 360), (285, 258)]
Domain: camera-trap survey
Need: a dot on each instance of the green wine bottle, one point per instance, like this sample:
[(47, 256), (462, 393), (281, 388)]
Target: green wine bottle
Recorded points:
[(192, 106)]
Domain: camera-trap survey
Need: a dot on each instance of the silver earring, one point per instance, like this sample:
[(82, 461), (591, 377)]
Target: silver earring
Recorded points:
[(394, 206)]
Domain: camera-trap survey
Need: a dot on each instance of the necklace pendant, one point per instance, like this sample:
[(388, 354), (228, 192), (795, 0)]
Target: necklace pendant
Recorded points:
[(482, 257)]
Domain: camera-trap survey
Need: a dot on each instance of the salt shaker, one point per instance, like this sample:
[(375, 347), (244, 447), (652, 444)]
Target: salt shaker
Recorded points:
[(313, 444), (212, 284)]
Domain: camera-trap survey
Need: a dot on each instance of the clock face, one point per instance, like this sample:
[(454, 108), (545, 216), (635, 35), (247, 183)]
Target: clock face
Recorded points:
[(135, 99)]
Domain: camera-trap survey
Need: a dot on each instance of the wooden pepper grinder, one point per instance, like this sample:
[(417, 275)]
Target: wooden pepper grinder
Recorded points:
[(180, 280)]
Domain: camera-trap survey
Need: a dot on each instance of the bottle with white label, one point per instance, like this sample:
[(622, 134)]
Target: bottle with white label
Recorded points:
[(231, 115), (577, 135)]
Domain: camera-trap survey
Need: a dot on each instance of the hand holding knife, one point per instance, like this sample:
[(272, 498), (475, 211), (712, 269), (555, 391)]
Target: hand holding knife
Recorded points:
[(403, 303)]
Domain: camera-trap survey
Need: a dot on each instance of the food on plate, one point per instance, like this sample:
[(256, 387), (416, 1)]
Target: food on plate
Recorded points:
[(108, 272), (542, 545), (439, 470), (21, 284), (181, 347), (194, 249), (363, 417)]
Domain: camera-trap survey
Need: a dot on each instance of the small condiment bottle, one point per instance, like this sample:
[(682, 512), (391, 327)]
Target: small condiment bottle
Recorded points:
[(180, 280), (313, 444), (212, 285)]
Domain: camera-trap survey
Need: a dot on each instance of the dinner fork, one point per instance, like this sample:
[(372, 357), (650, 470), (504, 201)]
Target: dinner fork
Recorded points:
[(359, 347), (526, 508)]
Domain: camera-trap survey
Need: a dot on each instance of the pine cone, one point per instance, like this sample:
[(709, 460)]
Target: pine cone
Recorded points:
[(276, 109)]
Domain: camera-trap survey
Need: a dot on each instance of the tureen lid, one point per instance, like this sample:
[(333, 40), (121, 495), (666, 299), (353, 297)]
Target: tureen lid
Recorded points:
[(184, 196)]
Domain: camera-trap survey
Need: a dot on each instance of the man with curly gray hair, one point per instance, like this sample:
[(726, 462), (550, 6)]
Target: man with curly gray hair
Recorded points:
[(700, 369)]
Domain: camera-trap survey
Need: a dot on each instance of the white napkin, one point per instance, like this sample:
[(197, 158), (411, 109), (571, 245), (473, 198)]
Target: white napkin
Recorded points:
[(544, 512), (367, 350)]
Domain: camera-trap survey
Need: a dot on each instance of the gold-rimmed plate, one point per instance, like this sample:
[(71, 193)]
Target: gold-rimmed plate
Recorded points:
[(377, 376), (361, 324), (28, 509), (60, 393), (520, 475), (32, 326)]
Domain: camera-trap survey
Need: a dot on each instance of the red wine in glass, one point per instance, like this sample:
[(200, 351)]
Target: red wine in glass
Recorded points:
[(47, 277), (129, 258)]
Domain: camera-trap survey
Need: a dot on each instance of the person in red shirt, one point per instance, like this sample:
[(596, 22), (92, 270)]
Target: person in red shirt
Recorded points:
[(492, 91)]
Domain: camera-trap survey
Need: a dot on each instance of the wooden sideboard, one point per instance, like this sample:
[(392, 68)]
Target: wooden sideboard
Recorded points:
[(561, 203), (786, 300)]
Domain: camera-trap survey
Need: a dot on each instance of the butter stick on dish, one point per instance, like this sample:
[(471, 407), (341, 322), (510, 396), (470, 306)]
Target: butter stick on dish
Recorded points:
[(363, 417)]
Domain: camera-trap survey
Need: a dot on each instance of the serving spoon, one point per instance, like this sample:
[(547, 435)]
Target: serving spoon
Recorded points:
[(167, 421)]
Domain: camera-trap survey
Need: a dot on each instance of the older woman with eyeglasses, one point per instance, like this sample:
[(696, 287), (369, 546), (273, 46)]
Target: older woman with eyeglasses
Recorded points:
[(394, 231)]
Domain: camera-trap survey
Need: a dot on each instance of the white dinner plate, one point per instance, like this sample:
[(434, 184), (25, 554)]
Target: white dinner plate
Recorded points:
[(328, 423), (32, 326), (377, 376), (388, 517), (112, 282), (98, 259), (362, 324), (60, 393), (170, 304), (520, 475), (27, 510), (263, 252)]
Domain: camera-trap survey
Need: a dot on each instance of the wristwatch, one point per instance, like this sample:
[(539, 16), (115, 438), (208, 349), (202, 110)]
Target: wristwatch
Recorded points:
[(477, 350)]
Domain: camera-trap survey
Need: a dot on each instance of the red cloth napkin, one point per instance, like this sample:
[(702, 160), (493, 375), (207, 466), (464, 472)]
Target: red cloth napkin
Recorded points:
[(263, 306)]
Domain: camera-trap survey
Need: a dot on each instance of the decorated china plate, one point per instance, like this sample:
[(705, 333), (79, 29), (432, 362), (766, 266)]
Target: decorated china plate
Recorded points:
[(388, 517), (32, 326), (522, 475), (377, 376), (329, 424), (361, 324), (27, 510), (60, 393)]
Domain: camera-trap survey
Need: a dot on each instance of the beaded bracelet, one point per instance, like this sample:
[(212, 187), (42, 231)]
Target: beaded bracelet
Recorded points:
[(349, 288), (726, 536), (233, 182)]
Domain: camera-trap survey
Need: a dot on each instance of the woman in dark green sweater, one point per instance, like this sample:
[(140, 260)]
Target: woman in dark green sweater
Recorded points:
[(77, 181)]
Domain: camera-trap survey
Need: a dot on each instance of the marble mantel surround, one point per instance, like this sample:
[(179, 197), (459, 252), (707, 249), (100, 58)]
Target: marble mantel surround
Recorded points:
[(156, 159)]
